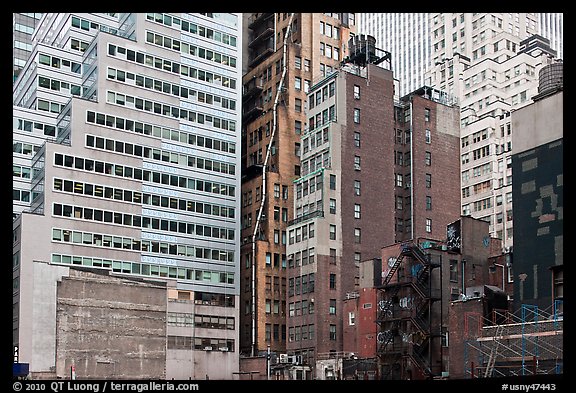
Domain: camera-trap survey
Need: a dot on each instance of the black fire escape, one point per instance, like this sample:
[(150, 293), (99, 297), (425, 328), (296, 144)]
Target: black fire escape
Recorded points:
[(408, 325)]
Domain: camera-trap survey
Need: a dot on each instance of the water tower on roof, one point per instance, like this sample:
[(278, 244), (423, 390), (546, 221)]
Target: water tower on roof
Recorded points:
[(362, 51)]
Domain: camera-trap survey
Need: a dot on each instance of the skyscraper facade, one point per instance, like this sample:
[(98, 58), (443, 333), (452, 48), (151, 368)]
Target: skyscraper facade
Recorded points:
[(489, 63), (417, 40), (135, 124), (23, 25), (407, 37), (551, 26), (494, 73), (287, 53)]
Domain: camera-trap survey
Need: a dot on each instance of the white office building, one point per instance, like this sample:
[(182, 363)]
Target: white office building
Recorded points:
[(127, 159)]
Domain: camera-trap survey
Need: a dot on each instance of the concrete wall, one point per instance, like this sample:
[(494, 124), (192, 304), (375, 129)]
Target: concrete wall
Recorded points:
[(530, 122), (110, 327)]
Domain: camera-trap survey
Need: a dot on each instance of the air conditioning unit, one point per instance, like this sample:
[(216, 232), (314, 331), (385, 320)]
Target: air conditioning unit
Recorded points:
[(295, 359), (223, 349), (207, 348), (283, 358)]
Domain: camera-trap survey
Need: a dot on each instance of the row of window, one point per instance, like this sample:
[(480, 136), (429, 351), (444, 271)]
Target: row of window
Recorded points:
[(329, 31), (324, 117), (57, 62), (169, 110), (480, 170), (125, 171), (273, 332), (90, 214), (302, 258), (128, 243), (174, 89), (301, 284), (279, 260), (199, 321), (78, 45), (200, 344), (86, 25), (126, 195), (26, 149), (49, 106), (170, 66), (329, 51), (145, 269), (183, 160), (160, 132), (304, 332), (273, 307), (315, 139), (311, 165), (28, 125), (23, 195), (298, 308), (304, 232), (59, 86), (22, 171), (180, 46), (193, 28), (311, 185)]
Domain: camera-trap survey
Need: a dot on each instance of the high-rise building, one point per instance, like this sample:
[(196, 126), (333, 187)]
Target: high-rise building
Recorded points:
[(375, 171), (418, 40), (23, 25), (489, 63), (127, 127), (407, 37), (287, 54), (551, 26), (500, 77)]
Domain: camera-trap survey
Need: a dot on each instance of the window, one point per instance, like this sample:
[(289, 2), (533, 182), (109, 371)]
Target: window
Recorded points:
[(428, 180), (356, 210), (356, 187), (356, 92), (426, 114), (428, 158), (332, 308), (357, 235), (298, 62), (356, 115), (276, 190), (332, 182), (332, 334), (298, 105), (332, 206), (332, 232), (356, 163), (428, 136), (351, 318), (428, 203), (428, 225), (356, 139), (298, 83)]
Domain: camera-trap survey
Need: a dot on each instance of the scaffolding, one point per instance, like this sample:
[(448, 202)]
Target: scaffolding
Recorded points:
[(527, 342)]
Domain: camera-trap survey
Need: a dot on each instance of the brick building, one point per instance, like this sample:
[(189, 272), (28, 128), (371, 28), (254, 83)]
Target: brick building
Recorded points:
[(339, 208), (287, 53)]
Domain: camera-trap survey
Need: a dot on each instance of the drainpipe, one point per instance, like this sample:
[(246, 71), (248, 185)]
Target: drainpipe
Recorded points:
[(264, 168)]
